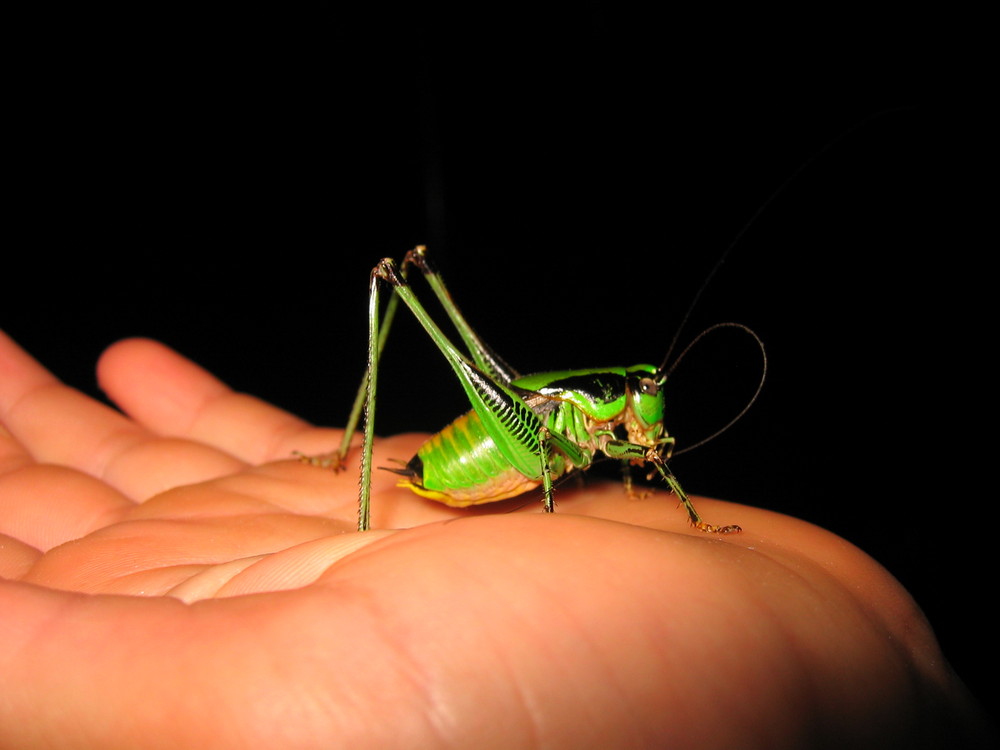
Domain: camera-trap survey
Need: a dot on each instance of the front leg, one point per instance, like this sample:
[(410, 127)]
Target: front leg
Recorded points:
[(632, 452), (548, 441)]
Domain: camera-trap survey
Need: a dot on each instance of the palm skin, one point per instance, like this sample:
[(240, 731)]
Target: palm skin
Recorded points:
[(172, 577)]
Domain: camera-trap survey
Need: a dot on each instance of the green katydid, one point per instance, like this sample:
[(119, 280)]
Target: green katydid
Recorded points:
[(523, 431)]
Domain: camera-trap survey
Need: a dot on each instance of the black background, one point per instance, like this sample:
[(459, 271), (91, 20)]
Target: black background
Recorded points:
[(225, 183)]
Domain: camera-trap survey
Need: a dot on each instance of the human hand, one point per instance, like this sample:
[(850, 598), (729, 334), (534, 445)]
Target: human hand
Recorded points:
[(173, 578)]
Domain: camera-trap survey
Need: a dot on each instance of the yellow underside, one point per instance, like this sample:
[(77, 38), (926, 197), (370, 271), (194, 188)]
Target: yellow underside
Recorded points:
[(512, 485)]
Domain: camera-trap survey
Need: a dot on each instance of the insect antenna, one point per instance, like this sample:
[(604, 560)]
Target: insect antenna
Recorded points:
[(749, 403), (663, 371), (808, 162)]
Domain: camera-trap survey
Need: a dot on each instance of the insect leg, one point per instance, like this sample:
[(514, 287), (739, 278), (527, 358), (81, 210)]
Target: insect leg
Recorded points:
[(513, 426), (689, 507), (370, 382), (550, 441), (485, 358), (337, 459), (632, 452)]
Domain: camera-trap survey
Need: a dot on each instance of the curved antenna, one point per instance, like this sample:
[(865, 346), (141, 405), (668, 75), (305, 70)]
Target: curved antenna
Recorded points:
[(756, 393), (809, 161)]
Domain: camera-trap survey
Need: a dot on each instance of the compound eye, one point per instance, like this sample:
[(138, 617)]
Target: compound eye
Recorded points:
[(648, 386)]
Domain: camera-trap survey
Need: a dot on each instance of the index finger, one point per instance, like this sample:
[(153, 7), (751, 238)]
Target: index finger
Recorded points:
[(171, 395)]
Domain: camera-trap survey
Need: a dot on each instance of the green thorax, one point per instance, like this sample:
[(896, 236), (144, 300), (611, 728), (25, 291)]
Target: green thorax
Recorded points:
[(603, 394)]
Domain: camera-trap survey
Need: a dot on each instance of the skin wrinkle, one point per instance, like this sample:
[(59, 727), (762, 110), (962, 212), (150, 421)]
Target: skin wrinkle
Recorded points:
[(794, 566), (807, 684), (232, 502), (667, 634), (177, 403), (434, 669), (807, 689), (24, 523), (379, 624), (265, 706), (670, 655), (662, 646), (110, 450), (229, 401), (526, 704), (449, 713), (324, 552), (33, 638), (140, 532), (790, 629), (209, 582), (34, 642), (99, 454), (290, 713), (40, 381), (222, 401), (533, 705), (79, 621), (798, 688), (571, 629)]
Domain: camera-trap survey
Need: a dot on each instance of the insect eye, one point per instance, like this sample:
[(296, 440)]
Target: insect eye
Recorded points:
[(648, 386)]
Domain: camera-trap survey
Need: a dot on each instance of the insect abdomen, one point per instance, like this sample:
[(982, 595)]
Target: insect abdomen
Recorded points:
[(461, 466)]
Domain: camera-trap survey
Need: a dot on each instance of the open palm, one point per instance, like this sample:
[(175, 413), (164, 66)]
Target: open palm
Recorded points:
[(173, 577)]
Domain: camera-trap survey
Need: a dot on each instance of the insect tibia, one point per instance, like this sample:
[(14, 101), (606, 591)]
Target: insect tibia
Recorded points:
[(693, 515)]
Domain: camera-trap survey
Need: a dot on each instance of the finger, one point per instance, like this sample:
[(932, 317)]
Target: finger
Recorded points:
[(52, 422), (42, 506), (211, 530), (16, 557), (12, 454), (45, 506), (86, 657), (151, 557), (170, 395), (57, 424)]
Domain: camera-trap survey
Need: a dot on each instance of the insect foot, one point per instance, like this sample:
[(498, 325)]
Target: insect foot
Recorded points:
[(333, 461), (684, 500), (709, 528), (630, 491)]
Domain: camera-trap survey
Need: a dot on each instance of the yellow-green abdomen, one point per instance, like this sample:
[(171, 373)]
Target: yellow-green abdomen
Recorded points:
[(462, 466)]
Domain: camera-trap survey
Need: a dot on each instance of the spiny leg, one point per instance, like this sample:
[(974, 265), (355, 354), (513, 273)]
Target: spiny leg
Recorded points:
[(548, 504), (370, 383), (511, 424), (385, 271), (695, 517), (630, 451), (484, 357), (550, 441), (337, 460)]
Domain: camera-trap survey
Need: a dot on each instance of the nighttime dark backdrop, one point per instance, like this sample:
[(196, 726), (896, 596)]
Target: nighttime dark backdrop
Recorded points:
[(225, 184)]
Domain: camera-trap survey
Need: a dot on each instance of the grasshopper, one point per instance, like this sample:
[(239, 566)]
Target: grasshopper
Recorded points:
[(522, 431)]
